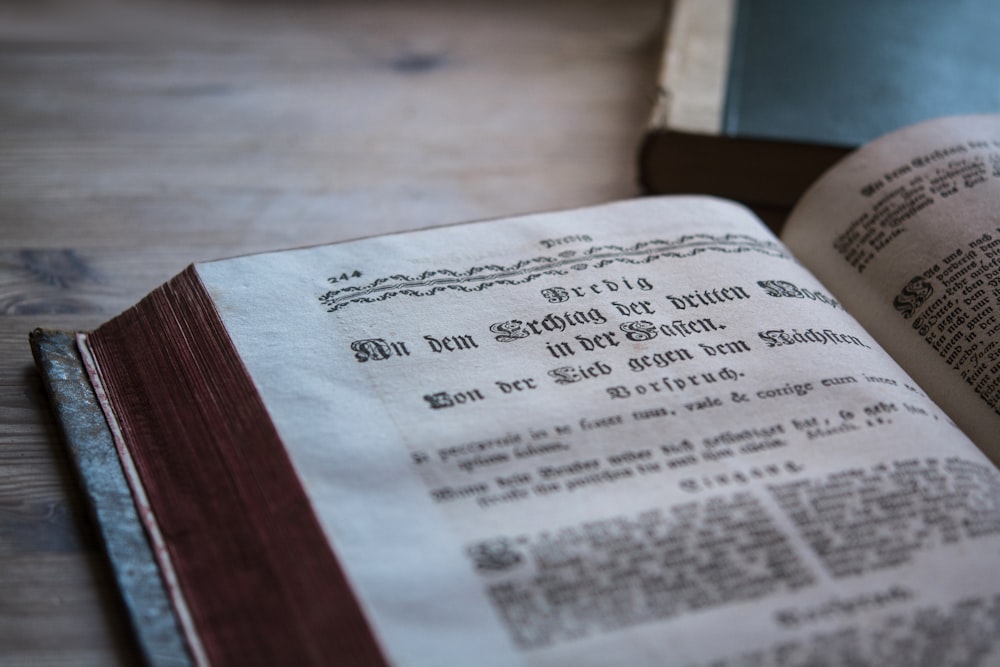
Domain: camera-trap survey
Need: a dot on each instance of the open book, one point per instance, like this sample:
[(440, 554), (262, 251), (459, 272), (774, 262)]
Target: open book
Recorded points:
[(643, 433)]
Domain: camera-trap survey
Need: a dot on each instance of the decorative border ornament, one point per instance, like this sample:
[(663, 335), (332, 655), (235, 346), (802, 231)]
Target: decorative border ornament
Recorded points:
[(479, 278)]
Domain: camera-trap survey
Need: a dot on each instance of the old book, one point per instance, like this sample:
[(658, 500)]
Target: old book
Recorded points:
[(642, 433), (757, 98)]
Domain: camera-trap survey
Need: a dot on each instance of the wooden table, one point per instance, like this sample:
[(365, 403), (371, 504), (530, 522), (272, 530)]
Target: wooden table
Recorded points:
[(138, 137)]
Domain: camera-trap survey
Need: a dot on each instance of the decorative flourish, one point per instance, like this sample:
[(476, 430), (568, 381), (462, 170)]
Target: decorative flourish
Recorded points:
[(912, 296), (479, 278)]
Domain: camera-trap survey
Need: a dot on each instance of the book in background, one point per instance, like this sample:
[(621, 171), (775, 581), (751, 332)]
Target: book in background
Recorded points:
[(758, 97)]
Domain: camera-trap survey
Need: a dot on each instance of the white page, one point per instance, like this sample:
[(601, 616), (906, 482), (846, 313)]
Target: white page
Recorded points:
[(744, 403), (906, 231)]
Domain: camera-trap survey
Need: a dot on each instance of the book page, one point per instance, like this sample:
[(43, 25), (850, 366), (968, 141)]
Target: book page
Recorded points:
[(634, 434), (906, 233)]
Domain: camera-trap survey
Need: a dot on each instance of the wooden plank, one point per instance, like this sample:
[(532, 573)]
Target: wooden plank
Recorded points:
[(437, 116), (138, 137)]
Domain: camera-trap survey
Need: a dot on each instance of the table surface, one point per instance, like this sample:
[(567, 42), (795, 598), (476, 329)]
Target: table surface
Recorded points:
[(137, 137)]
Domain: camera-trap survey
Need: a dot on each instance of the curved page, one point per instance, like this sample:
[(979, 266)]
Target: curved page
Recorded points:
[(633, 434), (906, 233)]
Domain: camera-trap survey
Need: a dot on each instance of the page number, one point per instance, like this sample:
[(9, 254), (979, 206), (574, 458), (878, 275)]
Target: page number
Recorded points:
[(345, 277)]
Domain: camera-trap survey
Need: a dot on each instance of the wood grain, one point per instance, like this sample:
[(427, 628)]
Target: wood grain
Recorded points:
[(138, 137)]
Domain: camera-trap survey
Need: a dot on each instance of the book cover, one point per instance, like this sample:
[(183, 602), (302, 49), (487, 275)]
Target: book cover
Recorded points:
[(758, 97)]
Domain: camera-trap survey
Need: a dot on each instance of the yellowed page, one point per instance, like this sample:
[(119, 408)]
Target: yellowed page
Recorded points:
[(906, 233), (613, 436)]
